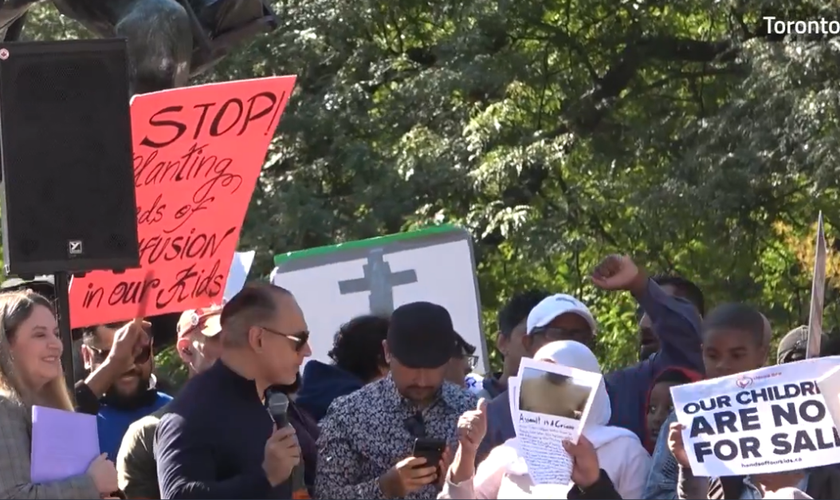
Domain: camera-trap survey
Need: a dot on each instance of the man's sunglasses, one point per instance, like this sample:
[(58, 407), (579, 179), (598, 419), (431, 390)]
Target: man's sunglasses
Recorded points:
[(100, 355), (298, 339)]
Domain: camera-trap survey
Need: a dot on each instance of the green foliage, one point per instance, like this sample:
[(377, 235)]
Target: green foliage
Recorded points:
[(557, 132), (169, 366)]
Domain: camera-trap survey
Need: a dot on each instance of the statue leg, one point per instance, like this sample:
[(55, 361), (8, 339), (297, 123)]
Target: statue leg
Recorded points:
[(159, 44)]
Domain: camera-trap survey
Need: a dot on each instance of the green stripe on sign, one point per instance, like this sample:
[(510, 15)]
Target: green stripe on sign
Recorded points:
[(370, 242)]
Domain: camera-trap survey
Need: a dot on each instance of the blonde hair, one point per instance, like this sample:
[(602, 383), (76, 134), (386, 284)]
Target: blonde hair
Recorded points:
[(15, 308)]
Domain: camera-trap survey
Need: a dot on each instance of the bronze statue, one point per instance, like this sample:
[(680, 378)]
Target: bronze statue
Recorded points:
[(168, 40)]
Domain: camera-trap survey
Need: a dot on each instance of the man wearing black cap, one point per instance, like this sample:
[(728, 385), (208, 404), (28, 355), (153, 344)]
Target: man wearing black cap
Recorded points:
[(367, 438)]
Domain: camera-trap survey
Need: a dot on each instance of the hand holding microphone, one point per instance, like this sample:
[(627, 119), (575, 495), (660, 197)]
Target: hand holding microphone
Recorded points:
[(282, 454), (282, 451)]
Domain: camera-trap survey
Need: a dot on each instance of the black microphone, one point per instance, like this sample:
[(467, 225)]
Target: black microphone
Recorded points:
[(277, 405)]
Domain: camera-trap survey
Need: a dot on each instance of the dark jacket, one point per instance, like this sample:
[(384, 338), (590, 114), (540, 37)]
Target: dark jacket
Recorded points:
[(321, 384), (603, 489), (211, 444), (824, 482), (677, 324), (306, 430), (491, 387)]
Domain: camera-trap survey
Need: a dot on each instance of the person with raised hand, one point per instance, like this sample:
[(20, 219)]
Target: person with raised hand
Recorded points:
[(674, 320), (472, 426), (608, 462)]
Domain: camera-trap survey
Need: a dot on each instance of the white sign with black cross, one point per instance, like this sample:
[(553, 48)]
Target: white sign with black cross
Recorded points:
[(337, 283)]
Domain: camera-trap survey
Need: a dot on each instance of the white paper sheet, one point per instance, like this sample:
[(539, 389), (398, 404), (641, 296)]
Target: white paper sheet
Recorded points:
[(829, 385), (550, 405), (239, 269)]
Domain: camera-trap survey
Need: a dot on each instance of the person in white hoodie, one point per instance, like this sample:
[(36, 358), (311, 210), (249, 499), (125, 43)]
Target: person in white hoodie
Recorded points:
[(620, 461)]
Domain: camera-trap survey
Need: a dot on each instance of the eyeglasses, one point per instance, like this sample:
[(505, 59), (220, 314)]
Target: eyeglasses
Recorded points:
[(553, 334), (100, 355), (299, 339), (472, 361)]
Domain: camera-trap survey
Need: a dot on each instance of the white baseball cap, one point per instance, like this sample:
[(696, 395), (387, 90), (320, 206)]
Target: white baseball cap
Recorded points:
[(557, 305)]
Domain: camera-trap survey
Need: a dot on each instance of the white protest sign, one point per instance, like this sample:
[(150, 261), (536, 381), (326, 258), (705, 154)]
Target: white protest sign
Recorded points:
[(553, 403), (240, 266), (829, 385), (763, 421), (336, 283)]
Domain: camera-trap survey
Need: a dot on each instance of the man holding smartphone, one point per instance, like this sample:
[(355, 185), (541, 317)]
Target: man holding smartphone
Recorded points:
[(389, 439)]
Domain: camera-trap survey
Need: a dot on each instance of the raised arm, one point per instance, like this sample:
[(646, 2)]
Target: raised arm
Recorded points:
[(15, 450), (676, 322)]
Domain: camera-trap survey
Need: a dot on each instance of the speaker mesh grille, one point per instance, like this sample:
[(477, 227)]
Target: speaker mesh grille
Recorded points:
[(67, 168)]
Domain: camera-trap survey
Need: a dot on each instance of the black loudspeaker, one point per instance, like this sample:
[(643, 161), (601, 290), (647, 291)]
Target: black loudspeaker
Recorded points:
[(68, 196)]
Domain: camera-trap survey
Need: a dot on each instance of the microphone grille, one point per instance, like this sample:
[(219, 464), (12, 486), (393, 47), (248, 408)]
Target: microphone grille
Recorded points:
[(276, 401)]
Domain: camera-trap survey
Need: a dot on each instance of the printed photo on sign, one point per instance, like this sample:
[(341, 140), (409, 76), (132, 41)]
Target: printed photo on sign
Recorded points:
[(552, 394), (764, 421), (549, 404)]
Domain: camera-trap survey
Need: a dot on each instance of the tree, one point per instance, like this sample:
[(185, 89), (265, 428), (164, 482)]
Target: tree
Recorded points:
[(686, 134)]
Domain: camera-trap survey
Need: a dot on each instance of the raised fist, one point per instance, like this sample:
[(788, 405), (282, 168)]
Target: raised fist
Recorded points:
[(618, 272)]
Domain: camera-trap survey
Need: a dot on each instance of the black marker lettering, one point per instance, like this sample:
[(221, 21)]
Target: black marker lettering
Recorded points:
[(200, 125), (215, 126), (252, 115), (154, 121), (153, 214), (171, 248)]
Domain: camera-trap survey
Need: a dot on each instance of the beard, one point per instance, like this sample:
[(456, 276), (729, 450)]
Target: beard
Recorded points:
[(122, 399)]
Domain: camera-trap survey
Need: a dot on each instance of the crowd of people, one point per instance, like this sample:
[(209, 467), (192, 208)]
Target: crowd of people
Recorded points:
[(354, 424)]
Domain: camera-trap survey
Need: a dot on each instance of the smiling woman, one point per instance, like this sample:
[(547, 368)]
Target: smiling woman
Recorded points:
[(30, 374), (30, 352)]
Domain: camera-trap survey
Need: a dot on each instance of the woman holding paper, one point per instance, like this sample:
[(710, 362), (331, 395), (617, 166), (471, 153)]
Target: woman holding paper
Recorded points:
[(609, 462), (31, 374)]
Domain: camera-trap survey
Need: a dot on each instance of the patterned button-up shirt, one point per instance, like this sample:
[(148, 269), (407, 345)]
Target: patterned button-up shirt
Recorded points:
[(364, 434)]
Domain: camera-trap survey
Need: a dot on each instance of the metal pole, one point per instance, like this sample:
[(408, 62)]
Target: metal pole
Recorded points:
[(62, 300)]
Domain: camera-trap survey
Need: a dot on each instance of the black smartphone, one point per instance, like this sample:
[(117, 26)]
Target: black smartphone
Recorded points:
[(430, 449)]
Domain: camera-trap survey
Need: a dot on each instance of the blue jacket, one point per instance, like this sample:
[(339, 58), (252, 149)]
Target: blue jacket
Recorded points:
[(321, 384), (676, 323), (664, 470), (113, 422)]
